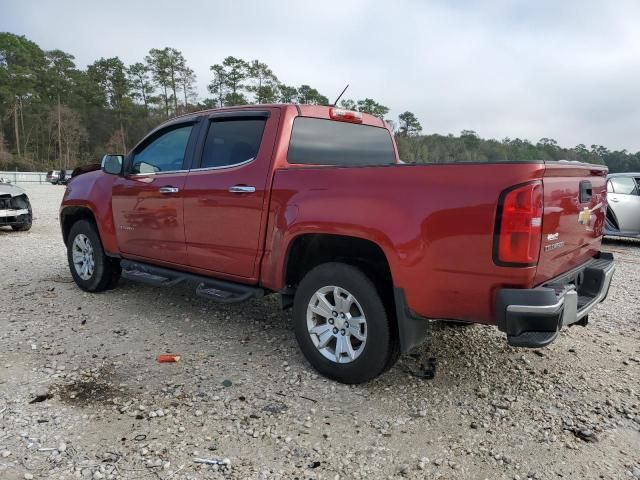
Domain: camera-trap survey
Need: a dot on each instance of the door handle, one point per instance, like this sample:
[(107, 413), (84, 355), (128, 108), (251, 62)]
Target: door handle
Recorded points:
[(614, 200), (242, 189), (167, 190)]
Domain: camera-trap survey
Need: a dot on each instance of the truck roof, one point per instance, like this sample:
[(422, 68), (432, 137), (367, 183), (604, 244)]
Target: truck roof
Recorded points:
[(304, 110)]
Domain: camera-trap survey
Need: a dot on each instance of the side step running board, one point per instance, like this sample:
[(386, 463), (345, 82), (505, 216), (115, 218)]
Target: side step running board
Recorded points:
[(221, 291)]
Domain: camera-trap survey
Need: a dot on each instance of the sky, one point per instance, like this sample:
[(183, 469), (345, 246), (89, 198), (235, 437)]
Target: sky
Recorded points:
[(568, 70)]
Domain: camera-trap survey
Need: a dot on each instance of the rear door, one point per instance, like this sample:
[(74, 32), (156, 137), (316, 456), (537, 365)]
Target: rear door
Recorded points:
[(624, 201), (148, 201), (575, 204), (226, 192)]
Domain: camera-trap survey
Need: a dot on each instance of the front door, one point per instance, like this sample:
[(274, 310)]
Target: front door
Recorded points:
[(226, 192), (148, 201)]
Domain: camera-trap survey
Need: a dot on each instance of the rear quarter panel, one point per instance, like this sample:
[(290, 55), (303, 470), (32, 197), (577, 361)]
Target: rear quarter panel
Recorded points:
[(435, 224)]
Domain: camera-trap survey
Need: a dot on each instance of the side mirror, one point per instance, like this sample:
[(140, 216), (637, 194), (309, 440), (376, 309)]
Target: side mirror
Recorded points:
[(112, 164)]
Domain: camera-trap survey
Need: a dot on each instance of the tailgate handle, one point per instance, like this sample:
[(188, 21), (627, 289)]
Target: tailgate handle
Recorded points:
[(586, 191)]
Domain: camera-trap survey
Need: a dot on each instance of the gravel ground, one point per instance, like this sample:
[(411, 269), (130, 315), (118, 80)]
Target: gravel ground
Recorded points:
[(82, 396)]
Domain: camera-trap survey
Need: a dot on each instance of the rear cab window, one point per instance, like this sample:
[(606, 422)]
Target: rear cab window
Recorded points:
[(316, 141)]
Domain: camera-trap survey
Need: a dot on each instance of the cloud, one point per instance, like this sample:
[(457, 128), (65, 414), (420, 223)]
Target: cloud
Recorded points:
[(567, 70)]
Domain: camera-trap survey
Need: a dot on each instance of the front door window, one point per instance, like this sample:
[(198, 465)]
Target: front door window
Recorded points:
[(164, 153)]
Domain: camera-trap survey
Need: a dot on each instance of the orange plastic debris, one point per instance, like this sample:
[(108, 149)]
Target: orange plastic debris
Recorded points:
[(168, 358)]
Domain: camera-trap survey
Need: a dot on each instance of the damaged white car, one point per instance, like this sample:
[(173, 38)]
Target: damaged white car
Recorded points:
[(15, 208)]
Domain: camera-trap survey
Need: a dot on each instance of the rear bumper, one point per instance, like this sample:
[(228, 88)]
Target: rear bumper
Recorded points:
[(534, 317)]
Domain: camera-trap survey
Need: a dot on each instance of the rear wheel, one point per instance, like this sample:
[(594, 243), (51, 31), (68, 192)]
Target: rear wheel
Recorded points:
[(92, 270), (341, 324)]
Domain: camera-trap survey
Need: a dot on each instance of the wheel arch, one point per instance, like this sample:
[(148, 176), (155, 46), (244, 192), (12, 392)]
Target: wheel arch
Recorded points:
[(308, 250), (70, 215), (612, 218)]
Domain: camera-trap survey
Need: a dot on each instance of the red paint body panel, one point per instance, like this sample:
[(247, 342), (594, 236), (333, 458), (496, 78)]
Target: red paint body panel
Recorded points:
[(434, 223), (224, 231), (151, 224), (561, 209), (92, 190), (438, 243)]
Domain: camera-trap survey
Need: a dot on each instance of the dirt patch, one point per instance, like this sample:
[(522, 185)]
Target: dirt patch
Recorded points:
[(92, 387)]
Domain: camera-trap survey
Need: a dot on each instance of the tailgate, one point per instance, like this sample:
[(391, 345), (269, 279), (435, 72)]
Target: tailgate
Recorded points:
[(574, 211)]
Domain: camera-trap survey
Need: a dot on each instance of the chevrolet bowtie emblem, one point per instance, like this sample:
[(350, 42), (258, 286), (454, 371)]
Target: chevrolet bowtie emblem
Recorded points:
[(584, 217)]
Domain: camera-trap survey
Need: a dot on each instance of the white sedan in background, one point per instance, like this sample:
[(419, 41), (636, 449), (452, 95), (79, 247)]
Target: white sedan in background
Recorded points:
[(623, 214)]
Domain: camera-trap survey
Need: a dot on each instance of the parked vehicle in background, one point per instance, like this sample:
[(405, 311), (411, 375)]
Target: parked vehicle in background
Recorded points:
[(53, 176), (65, 176), (15, 208), (312, 202), (623, 214), (59, 177)]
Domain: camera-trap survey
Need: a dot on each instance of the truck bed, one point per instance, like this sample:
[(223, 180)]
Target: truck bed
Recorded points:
[(435, 224)]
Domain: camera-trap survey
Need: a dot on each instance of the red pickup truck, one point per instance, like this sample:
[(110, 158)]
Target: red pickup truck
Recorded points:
[(313, 203)]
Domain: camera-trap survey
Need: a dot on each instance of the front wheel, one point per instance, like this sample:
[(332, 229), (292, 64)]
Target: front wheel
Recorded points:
[(341, 324), (92, 270)]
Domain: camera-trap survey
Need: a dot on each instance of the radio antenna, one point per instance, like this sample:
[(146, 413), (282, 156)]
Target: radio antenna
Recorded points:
[(340, 96)]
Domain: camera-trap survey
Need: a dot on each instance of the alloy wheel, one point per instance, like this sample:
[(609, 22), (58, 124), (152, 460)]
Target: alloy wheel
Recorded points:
[(337, 324), (83, 259)]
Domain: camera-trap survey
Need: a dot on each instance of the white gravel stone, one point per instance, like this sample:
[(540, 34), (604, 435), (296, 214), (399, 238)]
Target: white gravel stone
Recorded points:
[(114, 405)]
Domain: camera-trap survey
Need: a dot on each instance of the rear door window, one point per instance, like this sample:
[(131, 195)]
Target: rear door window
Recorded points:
[(232, 141), (317, 141), (624, 185)]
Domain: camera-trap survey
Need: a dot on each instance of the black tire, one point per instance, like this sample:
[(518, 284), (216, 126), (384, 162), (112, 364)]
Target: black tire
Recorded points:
[(27, 220), (106, 271), (378, 350)]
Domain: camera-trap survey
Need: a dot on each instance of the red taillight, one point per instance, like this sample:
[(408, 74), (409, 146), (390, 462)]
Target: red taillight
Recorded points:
[(345, 115), (519, 226)]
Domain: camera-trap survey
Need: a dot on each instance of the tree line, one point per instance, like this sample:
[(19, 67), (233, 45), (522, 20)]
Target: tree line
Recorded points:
[(54, 114), (469, 147)]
